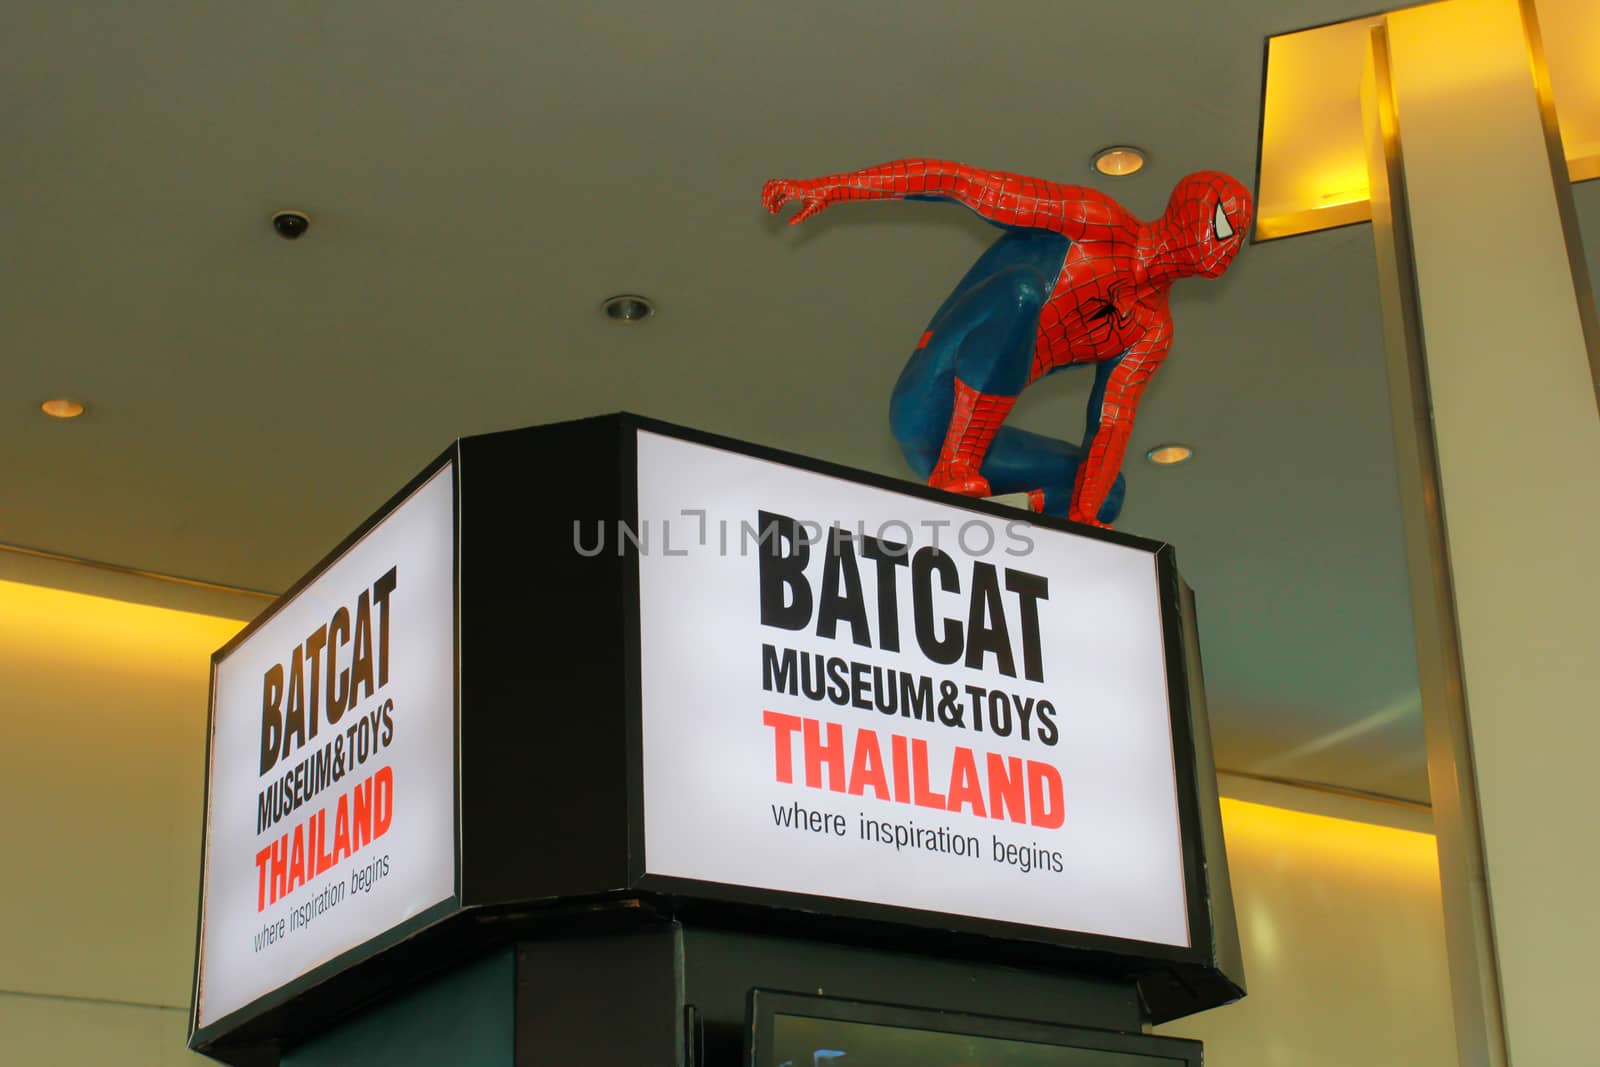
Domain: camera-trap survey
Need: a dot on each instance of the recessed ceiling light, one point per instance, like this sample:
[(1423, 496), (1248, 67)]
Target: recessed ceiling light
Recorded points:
[(62, 408), (1168, 455), (628, 307), (1118, 161)]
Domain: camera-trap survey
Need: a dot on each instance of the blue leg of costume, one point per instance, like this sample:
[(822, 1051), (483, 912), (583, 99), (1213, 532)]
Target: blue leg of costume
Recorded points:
[(984, 333)]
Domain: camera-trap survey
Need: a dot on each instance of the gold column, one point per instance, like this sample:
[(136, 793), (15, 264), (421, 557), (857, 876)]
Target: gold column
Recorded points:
[(1491, 336)]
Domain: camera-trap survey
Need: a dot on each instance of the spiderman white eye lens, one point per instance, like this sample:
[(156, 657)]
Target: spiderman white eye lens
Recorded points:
[(1221, 225)]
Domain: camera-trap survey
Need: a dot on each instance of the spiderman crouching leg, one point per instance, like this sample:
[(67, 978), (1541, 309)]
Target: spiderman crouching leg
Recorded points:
[(1074, 280)]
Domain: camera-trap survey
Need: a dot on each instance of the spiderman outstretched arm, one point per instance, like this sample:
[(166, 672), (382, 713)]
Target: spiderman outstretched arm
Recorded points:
[(1008, 200)]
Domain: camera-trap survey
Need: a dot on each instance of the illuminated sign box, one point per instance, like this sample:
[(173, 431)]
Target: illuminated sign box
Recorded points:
[(614, 668), (330, 814)]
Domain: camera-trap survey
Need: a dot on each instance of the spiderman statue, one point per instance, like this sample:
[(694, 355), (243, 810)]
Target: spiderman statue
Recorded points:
[(1075, 279)]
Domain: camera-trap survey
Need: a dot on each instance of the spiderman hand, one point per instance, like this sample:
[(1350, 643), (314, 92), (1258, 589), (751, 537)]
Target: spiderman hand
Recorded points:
[(814, 195)]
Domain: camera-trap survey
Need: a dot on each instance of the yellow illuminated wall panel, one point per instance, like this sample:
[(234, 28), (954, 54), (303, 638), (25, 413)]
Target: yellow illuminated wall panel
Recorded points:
[(1343, 942), (1313, 166), (102, 725)]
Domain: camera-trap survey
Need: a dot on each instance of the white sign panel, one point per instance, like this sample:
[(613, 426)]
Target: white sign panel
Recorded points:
[(901, 702), (332, 798)]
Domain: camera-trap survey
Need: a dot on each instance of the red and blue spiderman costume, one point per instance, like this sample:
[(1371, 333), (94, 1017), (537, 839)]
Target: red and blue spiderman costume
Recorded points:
[(1075, 279)]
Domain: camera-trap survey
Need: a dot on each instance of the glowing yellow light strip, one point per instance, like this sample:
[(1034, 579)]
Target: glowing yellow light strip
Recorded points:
[(1311, 141), (41, 625)]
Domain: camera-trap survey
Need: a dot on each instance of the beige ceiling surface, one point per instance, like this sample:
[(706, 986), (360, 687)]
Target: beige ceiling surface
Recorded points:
[(481, 176)]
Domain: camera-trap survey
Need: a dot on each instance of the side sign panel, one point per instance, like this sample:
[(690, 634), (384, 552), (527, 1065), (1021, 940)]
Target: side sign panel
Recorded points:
[(332, 793)]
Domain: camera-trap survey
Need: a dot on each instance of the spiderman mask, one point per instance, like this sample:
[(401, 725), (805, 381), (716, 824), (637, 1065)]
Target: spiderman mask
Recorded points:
[(1205, 222)]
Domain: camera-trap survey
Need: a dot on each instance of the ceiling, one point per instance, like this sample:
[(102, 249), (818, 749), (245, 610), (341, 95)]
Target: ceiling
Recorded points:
[(480, 176), (1313, 163)]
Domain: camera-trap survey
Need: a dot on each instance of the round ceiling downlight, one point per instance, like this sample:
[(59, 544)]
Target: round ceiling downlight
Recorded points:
[(1119, 161), (628, 307), (1169, 455), (62, 408)]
